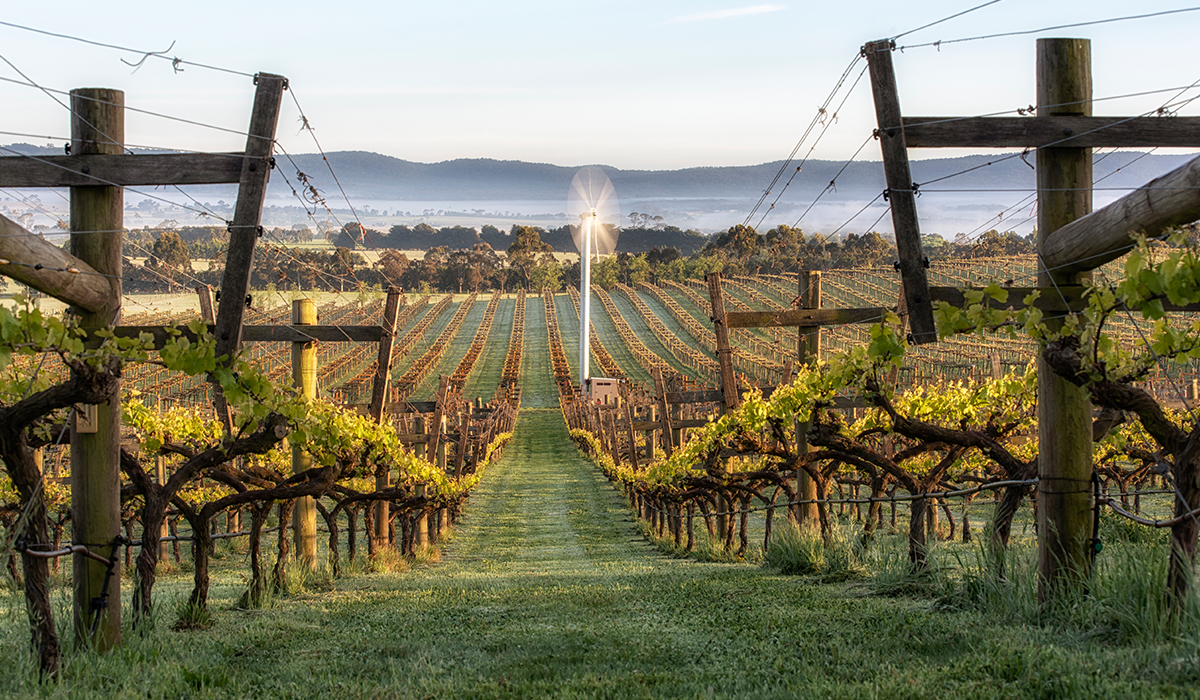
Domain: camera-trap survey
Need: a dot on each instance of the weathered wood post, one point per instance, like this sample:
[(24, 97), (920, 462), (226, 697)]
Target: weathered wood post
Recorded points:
[(1064, 182), (304, 375), (900, 192), (160, 476), (379, 392), (247, 216), (651, 438), (421, 537), (808, 349), (665, 433), (208, 310), (724, 349), (97, 219)]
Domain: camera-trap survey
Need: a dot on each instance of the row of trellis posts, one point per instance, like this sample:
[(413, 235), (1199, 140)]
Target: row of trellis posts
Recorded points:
[(88, 278), (1072, 241)]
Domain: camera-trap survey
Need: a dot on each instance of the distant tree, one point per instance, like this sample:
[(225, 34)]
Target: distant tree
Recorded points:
[(392, 265), (738, 243), (169, 251), (634, 268), (348, 237), (486, 265), (637, 271), (458, 237), (460, 271), (523, 251), (493, 236), (606, 272), (301, 233), (546, 274), (991, 244)]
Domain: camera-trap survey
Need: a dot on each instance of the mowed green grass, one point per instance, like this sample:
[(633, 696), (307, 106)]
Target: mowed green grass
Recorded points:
[(548, 589)]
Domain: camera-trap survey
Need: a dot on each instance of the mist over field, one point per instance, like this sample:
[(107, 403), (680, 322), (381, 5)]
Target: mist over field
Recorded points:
[(386, 191)]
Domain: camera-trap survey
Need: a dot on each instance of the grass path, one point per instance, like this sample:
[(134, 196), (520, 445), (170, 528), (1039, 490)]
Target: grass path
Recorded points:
[(548, 590)]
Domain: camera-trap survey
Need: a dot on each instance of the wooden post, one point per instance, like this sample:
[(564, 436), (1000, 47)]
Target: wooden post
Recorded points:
[(160, 476), (900, 190), (379, 392), (464, 432), (304, 374), (1064, 180), (650, 439), (631, 436), (664, 412), (436, 427), (243, 234), (724, 350), (808, 347), (421, 536), (441, 444), (98, 127), (208, 312)]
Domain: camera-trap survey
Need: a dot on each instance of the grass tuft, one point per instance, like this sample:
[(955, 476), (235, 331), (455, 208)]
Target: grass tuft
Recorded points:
[(192, 616)]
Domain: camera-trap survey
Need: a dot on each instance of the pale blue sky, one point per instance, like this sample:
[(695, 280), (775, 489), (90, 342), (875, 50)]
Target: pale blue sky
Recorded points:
[(657, 84)]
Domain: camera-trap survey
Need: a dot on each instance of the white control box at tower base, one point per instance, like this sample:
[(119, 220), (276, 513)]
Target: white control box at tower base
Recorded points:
[(602, 390)]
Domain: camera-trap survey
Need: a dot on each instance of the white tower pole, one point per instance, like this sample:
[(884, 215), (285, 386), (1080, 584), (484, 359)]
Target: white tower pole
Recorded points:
[(585, 300)]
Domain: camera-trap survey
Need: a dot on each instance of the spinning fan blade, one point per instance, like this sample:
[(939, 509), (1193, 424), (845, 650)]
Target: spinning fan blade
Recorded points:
[(592, 196)]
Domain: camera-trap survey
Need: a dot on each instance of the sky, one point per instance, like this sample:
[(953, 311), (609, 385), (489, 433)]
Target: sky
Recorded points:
[(645, 84)]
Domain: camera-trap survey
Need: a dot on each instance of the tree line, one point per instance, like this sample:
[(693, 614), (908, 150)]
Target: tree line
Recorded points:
[(466, 259)]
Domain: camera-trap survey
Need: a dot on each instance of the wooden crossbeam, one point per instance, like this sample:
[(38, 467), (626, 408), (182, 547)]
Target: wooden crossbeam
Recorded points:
[(395, 407), (123, 170), (804, 318), (703, 396), (1072, 131), (268, 334), (1063, 298), (716, 396)]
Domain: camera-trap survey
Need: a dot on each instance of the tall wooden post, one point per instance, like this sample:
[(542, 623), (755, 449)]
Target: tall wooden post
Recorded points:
[(1064, 180), (304, 374), (97, 219), (900, 191), (808, 347), (724, 349), (243, 234), (379, 392)]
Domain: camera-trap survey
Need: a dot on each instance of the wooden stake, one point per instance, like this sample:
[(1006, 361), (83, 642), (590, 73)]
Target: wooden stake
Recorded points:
[(900, 190), (664, 412), (1064, 179), (724, 349), (808, 347), (304, 375), (243, 234), (98, 126), (23, 252), (379, 392), (208, 312)]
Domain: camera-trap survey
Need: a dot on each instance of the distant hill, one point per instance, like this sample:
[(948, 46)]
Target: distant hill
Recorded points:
[(376, 176), (964, 192)]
